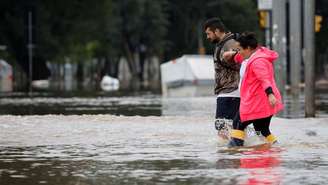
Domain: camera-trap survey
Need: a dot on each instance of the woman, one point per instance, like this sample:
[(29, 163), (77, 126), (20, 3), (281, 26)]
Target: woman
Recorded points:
[(260, 98)]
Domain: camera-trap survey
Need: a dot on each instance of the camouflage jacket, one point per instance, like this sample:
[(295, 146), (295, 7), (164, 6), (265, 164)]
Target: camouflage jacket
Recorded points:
[(226, 72)]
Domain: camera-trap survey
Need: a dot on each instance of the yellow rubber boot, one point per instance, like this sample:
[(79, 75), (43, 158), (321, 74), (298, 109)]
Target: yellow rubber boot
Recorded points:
[(271, 139), (237, 138)]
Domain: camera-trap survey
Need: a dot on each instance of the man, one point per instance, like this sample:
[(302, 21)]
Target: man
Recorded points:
[(226, 74)]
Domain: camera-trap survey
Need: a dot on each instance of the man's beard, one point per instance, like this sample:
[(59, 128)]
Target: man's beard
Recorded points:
[(215, 41)]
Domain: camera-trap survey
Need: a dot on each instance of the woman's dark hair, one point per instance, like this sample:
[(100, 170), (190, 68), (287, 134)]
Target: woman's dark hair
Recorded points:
[(247, 39), (214, 23)]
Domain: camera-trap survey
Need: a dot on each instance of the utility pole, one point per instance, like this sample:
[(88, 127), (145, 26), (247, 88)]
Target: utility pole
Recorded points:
[(265, 16), (295, 44), (201, 48), (268, 33), (295, 51), (30, 49), (309, 60), (279, 41)]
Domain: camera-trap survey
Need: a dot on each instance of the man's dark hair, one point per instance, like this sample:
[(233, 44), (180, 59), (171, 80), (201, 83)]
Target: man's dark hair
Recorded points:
[(214, 23), (247, 39)]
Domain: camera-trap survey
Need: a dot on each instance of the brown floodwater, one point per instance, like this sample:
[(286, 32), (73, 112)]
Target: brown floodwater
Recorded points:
[(181, 149)]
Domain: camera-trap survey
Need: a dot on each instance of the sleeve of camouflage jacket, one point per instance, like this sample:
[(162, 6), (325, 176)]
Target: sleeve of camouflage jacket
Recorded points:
[(229, 45)]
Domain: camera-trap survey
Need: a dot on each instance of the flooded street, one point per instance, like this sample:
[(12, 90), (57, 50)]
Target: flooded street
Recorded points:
[(105, 149), (148, 140), (145, 104)]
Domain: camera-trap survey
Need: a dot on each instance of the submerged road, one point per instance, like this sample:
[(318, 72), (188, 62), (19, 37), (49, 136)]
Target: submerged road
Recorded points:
[(106, 149)]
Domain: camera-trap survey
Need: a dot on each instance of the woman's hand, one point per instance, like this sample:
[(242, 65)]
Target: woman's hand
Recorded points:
[(272, 100)]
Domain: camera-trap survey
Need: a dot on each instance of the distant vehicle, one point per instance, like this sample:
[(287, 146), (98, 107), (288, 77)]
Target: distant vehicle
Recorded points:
[(40, 84), (109, 83), (189, 75)]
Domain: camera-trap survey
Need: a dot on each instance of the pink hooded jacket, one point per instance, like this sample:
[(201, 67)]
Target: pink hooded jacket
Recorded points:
[(258, 76)]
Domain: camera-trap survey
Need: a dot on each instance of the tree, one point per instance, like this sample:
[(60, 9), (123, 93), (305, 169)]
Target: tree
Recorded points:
[(186, 18), (141, 22)]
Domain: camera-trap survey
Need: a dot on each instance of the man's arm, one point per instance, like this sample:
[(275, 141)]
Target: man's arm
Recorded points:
[(228, 60), (233, 56)]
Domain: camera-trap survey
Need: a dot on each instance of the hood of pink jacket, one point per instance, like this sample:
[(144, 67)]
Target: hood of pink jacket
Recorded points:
[(263, 52)]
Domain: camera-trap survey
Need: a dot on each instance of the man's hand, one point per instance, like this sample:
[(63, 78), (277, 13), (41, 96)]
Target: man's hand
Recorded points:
[(272, 100), (227, 56)]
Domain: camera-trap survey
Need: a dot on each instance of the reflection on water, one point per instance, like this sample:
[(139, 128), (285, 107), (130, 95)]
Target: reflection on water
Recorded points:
[(22, 166), (263, 168), (105, 149)]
